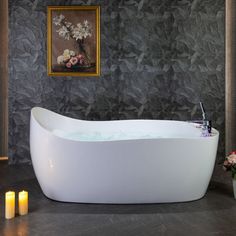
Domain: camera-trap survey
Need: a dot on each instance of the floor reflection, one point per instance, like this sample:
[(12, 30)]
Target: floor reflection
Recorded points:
[(15, 227)]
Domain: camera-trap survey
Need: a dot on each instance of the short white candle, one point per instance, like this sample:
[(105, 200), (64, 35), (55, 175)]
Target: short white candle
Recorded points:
[(23, 202), (9, 205)]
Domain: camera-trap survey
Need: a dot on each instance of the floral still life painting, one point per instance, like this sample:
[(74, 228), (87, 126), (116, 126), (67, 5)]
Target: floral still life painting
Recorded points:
[(74, 41)]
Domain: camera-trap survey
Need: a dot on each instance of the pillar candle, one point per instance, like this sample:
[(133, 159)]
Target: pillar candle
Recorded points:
[(9, 205), (23, 202)]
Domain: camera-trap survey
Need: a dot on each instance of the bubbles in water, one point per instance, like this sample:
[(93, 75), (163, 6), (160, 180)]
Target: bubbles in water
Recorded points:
[(97, 136)]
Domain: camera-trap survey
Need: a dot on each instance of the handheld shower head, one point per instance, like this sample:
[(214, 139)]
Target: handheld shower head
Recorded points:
[(203, 111)]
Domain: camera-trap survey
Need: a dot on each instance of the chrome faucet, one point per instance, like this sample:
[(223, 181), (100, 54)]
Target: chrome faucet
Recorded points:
[(206, 124)]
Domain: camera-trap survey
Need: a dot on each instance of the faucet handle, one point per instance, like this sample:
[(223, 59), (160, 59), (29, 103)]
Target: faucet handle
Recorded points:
[(209, 126)]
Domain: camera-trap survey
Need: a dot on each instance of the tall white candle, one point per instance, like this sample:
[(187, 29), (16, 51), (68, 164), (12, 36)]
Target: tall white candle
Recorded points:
[(23, 202), (9, 205)]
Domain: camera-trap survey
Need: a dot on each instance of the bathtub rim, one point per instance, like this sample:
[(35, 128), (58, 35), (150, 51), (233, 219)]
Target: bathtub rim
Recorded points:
[(215, 135)]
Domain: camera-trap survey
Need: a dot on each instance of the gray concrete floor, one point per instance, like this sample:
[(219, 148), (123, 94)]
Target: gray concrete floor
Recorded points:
[(215, 214)]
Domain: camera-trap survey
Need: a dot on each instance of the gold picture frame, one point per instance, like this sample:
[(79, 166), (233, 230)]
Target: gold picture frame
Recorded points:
[(73, 40)]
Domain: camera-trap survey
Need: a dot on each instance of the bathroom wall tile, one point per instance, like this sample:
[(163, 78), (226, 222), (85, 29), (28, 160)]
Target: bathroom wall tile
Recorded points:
[(198, 60)]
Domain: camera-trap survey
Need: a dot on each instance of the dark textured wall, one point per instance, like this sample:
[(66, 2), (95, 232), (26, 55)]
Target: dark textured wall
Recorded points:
[(158, 59)]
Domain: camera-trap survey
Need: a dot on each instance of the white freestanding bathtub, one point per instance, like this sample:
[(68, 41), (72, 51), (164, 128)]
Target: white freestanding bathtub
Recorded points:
[(127, 161)]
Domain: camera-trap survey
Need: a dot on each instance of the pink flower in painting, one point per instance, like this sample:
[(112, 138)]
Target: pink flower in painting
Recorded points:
[(68, 65), (74, 60), (81, 61), (80, 56)]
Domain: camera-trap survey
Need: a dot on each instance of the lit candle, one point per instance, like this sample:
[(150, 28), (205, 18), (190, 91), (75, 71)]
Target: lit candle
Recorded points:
[(9, 205), (23, 202)]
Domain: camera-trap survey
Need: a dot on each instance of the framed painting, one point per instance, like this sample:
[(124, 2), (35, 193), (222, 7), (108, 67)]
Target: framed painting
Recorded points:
[(73, 40)]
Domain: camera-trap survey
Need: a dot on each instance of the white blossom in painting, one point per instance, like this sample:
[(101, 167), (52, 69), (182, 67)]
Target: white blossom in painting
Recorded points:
[(79, 33), (82, 31), (64, 32), (60, 59), (58, 19), (68, 24), (72, 53), (66, 55), (66, 52)]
